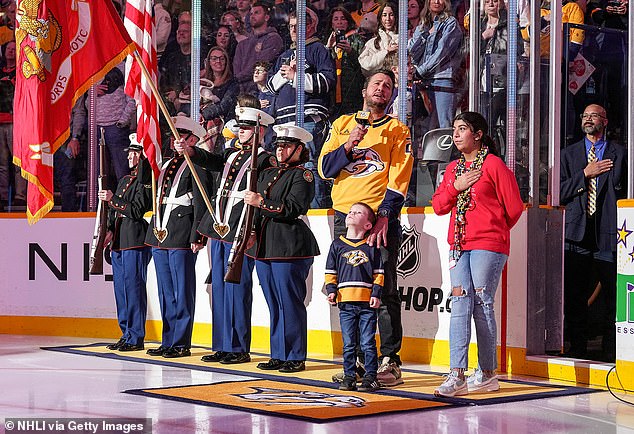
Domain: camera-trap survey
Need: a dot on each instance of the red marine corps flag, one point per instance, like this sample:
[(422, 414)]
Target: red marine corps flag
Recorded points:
[(61, 46)]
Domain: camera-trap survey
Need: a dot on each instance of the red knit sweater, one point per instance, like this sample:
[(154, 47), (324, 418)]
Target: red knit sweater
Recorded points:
[(495, 206)]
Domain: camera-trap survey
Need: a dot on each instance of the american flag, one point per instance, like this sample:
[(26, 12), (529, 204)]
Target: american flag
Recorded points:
[(139, 22)]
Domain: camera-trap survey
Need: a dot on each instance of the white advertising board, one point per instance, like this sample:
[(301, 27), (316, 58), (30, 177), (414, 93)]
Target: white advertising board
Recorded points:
[(44, 272)]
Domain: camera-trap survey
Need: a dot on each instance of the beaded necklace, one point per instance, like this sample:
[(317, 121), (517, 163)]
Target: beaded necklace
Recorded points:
[(462, 203)]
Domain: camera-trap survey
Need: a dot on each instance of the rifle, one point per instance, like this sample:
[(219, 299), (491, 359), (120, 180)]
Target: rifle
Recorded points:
[(236, 256), (101, 219)]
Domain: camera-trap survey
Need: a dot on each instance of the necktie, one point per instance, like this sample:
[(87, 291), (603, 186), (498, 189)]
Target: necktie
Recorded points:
[(592, 185)]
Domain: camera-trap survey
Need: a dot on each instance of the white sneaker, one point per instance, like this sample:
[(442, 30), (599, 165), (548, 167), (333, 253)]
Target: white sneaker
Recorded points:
[(452, 386), (479, 382), (389, 373)]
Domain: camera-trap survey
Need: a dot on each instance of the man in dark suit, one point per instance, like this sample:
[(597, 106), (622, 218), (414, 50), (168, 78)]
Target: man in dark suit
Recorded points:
[(593, 178)]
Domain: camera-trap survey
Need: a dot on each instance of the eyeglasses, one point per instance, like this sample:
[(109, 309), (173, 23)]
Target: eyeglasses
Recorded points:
[(217, 59), (592, 116)]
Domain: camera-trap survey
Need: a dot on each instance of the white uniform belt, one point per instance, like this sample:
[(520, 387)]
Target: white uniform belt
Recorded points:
[(184, 200), (228, 193)]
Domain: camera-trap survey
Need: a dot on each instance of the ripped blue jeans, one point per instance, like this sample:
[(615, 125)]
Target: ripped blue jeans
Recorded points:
[(474, 281)]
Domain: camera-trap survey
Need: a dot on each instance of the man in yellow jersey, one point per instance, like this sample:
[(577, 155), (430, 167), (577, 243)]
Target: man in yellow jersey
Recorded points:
[(373, 164)]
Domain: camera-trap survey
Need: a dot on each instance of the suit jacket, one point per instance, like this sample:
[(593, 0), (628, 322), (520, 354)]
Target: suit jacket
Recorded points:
[(611, 186)]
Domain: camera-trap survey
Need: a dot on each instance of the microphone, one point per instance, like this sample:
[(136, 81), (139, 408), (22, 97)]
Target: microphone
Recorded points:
[(363, 118)]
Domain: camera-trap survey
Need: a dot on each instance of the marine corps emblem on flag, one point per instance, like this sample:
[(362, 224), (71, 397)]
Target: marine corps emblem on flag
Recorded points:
[(408, 254), (44, 31), (62, 47)]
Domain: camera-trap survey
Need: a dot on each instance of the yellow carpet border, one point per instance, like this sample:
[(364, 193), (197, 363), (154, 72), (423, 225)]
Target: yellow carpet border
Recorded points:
[(418, 384), (320, 343)]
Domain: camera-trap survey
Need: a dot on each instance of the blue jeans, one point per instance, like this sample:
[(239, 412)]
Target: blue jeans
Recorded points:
[(358, 324), (443, 96), (475, 277), (390, 323)]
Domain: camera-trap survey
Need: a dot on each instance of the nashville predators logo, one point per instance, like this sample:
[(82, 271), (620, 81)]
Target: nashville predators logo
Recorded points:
[(356, 257), (364, 162), (306, 398), (44, 32)]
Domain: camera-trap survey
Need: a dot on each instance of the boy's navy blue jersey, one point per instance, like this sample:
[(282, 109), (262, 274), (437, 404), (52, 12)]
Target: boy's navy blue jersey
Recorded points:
[(354, 270)]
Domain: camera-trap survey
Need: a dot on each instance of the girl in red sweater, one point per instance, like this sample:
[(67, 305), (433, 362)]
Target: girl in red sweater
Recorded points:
[(482, 195)]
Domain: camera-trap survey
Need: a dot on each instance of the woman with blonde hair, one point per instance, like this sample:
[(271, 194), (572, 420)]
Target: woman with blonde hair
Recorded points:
[(234, 20), (435, 52)]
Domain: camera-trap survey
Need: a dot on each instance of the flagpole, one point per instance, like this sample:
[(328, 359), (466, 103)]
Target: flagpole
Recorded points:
[(177, 136)]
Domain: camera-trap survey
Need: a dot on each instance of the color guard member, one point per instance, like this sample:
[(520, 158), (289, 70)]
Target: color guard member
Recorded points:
[(285, 246), (175, 244), (231, 303), (130, 256)]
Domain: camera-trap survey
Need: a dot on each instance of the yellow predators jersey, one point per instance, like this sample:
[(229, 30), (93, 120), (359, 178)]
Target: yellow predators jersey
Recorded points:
[(376, 171)]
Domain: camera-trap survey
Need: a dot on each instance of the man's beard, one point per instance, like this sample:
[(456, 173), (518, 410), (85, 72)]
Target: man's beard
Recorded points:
[(375, 105), (592, 129)]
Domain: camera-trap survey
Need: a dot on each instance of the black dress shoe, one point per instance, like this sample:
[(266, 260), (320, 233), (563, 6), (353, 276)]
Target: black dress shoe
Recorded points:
[(215, 357), (235, 358), (156, 351), (271, 365), (174, 352), (116, 345), (293, 366), (130, 347)]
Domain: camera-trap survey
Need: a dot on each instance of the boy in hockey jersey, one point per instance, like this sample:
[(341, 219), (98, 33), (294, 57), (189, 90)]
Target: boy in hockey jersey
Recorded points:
[(354, 279)]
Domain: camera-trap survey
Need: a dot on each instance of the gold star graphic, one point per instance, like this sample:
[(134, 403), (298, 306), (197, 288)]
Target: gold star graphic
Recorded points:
[(631, 255), (622, 234)]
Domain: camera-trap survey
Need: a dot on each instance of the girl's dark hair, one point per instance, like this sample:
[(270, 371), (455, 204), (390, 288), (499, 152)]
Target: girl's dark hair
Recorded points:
[(394, 8), (477, 123), (304, 156)]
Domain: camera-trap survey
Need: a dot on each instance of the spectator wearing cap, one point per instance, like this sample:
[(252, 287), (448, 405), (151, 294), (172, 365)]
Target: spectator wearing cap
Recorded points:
[(231, 302), (285, 246), (263, 45), (126, 229), (175, 243), (319, 80)]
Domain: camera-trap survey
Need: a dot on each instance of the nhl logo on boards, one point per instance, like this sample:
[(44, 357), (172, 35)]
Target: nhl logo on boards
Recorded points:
[(408, 254)]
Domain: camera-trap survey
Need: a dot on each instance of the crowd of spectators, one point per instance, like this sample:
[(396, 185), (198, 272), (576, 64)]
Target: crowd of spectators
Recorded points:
[(248, 47)]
